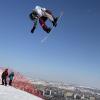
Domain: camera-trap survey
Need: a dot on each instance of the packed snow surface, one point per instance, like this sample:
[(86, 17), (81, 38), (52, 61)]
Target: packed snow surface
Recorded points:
[(11, 93)]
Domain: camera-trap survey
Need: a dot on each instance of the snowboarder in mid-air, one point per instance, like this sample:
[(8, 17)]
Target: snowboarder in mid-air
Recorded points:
[(42, 14)]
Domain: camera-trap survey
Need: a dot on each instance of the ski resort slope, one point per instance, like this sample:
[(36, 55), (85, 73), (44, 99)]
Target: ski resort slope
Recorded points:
[(11, 93)]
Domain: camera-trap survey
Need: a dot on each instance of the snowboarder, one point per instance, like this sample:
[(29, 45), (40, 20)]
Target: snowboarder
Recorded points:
[(11, 76), (42, 14), (4, 77)]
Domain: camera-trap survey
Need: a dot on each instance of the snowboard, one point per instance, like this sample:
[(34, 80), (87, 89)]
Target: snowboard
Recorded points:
[(59, 17)]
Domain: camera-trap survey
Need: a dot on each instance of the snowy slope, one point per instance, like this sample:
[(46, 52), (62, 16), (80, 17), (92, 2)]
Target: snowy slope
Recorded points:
[(22, 82), (10, 93)]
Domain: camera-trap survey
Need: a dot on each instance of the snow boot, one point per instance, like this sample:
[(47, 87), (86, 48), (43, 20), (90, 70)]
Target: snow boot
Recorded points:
[(55, 21)]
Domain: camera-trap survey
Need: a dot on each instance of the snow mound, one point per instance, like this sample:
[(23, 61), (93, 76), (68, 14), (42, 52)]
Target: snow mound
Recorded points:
[(23, 83), (10, 93)]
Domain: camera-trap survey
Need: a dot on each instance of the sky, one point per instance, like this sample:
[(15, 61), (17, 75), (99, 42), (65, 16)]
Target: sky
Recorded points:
[(70, 54)]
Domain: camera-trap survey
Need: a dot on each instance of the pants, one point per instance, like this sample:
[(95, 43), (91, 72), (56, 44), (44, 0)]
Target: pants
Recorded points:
[(10, 82), (42, 21), (4, 81)]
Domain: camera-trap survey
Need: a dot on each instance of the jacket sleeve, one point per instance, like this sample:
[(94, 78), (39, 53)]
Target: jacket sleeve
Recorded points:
[(35, 22), (6, 73)]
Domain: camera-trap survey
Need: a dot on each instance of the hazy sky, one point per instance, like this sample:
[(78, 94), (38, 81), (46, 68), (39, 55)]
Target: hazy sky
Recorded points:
[(70, 54)]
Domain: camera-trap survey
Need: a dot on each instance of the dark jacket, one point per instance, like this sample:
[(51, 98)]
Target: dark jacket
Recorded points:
[(4, 74)]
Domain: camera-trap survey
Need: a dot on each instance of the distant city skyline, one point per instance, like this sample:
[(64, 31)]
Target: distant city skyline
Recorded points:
[(70, 54)]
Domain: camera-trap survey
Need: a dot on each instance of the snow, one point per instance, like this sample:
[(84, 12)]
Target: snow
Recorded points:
[(22, 82), (11, 93)]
